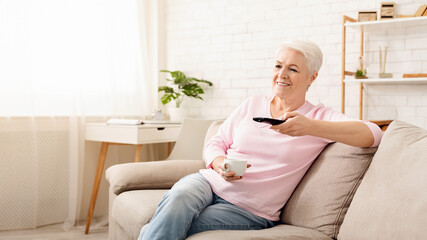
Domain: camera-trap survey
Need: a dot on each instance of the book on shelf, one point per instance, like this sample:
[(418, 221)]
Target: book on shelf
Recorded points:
[(119, 121), (414, 75)]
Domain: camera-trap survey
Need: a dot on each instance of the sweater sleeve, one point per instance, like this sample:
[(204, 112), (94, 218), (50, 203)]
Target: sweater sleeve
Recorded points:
[(325, 113), (223, 139), (376, 132)]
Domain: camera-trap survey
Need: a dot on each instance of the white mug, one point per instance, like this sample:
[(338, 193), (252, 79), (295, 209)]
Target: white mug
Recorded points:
[(234, 165)]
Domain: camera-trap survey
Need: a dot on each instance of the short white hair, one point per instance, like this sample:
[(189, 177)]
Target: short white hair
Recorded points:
[(312, 53)]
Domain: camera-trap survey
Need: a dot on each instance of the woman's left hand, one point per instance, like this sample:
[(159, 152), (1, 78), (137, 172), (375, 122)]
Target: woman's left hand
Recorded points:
[(296, 125)]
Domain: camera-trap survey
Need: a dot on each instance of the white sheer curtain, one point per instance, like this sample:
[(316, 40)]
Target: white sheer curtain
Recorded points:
[(62, 61)]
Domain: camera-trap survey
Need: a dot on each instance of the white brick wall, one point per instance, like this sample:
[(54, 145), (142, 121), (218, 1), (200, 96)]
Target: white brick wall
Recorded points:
[(232, 43)]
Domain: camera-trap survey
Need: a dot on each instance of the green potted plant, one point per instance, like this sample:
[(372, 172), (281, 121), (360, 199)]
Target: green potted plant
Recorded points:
[(360, 74), (183, 87)]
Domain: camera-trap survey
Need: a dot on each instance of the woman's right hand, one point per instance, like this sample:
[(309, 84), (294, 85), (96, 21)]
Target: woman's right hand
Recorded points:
[(217, 166)]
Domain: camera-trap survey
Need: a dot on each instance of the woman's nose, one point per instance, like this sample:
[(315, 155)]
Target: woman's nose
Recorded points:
[(282, 73)]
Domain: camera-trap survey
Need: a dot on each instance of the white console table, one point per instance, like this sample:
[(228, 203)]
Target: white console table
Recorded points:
[(126, 135)]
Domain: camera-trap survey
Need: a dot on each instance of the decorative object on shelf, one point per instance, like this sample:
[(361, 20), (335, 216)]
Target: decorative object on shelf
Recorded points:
[(383, 74), (183, 87), (422, 11), (365, 16), (361, 72), (387, 10), (414, 75), (157, 114)]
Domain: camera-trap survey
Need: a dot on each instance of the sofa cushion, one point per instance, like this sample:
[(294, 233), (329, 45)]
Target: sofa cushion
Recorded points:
[(391, 202), (282, 231), (133, 209), (322, 198)]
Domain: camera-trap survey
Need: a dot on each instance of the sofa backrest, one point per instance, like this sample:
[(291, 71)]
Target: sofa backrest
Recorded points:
[(212, 130), (323, 196), (391, 202), (189, 145)]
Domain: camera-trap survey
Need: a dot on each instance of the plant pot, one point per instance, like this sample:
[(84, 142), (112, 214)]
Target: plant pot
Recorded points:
[(176, 114)]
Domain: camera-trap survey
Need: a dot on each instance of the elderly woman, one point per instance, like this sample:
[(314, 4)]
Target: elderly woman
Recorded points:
[(278, 156)]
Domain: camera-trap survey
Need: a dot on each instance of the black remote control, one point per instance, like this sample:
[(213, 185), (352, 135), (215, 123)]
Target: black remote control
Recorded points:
[(271, 121)]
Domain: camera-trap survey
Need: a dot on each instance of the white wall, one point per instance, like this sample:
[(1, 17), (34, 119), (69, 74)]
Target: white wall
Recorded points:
[(232, 43)]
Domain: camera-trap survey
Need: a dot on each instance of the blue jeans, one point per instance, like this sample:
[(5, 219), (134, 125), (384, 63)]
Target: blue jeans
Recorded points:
[(191, 207)]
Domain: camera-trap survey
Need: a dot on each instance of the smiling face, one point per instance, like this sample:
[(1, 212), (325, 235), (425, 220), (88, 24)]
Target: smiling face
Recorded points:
[(291, 77)]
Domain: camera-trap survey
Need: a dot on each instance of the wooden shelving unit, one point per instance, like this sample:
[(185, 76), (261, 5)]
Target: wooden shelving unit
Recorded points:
[(374, 26)]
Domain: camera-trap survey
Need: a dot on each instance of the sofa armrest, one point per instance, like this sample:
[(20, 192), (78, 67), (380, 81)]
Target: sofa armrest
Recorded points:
[(150, 175)]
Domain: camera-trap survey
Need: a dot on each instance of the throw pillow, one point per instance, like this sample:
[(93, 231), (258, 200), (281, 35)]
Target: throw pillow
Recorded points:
[(322, 198), (391, 202)]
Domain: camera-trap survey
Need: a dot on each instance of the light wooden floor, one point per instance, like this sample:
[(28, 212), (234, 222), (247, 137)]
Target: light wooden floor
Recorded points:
[(55, 232)]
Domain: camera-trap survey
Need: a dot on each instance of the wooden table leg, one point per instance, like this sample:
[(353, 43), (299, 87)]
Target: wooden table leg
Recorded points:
[(138, 152), (99, 170)]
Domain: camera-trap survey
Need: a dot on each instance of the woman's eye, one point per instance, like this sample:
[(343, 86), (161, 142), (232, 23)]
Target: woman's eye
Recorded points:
[(293, 70), (278, 66)]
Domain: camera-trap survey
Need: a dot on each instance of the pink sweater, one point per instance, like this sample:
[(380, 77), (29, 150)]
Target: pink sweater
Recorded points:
[(278, 161)]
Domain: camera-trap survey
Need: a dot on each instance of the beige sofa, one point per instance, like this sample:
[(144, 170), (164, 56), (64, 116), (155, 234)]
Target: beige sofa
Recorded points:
[(348, 193)]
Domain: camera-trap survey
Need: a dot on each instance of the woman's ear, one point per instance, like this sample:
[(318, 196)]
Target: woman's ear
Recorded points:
[(313, 77)]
